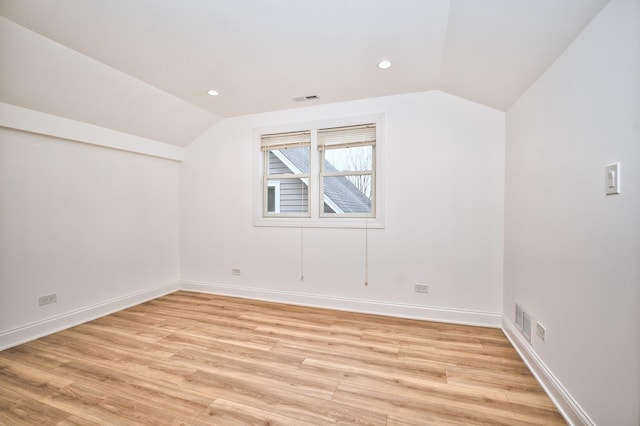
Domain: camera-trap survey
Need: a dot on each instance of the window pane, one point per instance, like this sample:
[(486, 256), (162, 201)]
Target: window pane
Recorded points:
[(356, 159), (271, 200), (347, 194), (292, 196), (289, 161)]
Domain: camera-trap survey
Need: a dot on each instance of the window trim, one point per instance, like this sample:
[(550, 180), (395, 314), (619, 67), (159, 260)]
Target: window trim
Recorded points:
[(315, 217)]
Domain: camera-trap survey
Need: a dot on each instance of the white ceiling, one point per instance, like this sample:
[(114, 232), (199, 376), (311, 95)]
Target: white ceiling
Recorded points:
[(144, 66)]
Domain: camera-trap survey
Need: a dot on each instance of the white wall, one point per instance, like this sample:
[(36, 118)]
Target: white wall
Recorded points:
[(572, 254), (97, 226), (444, 167)]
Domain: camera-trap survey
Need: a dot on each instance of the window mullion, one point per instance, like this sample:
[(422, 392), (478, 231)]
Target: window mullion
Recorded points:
[(314, 177)]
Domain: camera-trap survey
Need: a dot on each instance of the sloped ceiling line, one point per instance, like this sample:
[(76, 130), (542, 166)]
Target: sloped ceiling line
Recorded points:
[(144, 66)]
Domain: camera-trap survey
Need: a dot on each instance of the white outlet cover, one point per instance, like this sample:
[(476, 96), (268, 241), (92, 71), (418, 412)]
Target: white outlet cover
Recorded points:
[(421, 288), (541, 331), (47, 299)]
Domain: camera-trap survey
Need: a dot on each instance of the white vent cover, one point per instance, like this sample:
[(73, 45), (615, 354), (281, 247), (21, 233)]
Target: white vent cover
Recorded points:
[(526, 325), (519, 312), (523, 321)]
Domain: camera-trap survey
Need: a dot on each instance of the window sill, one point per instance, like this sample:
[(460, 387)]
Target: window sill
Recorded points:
[(295, 222)]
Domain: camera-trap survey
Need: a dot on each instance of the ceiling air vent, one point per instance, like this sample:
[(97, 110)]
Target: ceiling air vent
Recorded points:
[(305, 98)]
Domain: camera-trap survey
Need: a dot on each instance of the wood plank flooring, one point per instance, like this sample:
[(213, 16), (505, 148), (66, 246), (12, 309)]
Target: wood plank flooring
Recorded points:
[(198, 359)]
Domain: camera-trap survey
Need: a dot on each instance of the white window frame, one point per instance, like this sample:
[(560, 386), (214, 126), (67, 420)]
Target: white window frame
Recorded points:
[(315, 217), (296, 175), (324, 173)]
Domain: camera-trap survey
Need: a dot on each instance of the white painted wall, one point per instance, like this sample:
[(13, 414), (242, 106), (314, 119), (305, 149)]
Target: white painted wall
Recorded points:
[(28, 120), (444, 167), (572, 254), (92, 224)]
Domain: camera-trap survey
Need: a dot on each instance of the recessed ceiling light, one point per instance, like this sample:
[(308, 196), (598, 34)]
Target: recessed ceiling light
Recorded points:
[(383, 65), (213, 92)]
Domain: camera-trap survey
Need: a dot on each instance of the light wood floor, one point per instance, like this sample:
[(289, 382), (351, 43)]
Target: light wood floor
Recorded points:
[(198, 359)]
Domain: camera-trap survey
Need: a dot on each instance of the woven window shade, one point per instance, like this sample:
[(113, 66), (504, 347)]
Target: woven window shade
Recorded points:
[(346, 137), (285, 140)]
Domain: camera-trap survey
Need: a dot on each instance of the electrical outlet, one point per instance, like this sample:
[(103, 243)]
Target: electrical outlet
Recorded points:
[(235, 272), (49, 298), (540, 330), (421, 288)]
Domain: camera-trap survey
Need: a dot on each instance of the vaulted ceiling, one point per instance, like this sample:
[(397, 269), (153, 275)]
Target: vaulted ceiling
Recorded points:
[(144, 66)]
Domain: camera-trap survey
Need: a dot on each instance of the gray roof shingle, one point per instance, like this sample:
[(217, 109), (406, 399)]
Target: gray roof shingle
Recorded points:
[(338, 189)]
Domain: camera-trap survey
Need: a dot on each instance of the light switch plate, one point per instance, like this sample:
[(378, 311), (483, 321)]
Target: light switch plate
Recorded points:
[(612, 179)]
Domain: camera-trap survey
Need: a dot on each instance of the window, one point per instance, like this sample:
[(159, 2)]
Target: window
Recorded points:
[(286, 174), (326, 174), (347, 172)]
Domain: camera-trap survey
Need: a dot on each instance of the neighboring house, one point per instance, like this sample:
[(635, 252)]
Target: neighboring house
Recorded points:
[(340, 194)]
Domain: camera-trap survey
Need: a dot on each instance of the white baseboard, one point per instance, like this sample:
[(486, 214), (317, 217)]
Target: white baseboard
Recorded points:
[(37, 329), (453, 316), (568, 406), (570, 409), (34, 330)]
